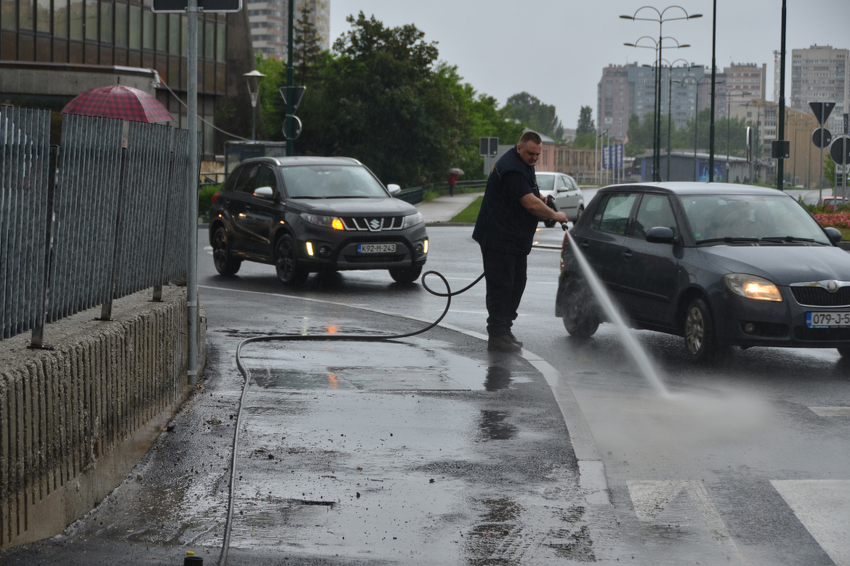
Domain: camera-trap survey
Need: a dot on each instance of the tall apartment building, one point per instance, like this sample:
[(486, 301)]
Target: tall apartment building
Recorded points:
[(270, 27), (630, 89), (821, 74), (745, 82)]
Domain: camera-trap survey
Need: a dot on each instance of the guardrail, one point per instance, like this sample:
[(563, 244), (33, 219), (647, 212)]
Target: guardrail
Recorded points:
[(415, 195), (89, 221)]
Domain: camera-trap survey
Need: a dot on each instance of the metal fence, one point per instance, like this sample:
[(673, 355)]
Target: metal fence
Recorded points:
[(99, 217), (415, 195)]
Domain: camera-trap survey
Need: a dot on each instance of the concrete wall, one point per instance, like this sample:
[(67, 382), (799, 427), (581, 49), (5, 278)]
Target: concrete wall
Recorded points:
[(76, 418)]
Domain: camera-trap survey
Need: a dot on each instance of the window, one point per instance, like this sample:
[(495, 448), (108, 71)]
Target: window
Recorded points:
[(653, 211), (612, 214)]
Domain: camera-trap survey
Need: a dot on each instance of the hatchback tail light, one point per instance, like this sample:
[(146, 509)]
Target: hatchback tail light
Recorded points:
[(215, 197)]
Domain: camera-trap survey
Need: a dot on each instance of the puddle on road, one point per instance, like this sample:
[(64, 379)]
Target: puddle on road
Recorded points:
[(373, 366)]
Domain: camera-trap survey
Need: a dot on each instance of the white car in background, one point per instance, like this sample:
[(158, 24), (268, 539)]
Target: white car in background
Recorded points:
[(565, 191)]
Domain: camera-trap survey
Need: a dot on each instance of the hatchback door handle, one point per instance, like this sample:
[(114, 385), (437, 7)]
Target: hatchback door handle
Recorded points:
[(627, 254)]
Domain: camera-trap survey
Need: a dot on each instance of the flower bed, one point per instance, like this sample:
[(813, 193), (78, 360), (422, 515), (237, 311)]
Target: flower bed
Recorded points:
[(836, 220)]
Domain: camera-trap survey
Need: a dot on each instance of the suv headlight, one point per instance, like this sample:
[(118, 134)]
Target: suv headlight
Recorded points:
[(752, 287), (412, 220), (332, 222)]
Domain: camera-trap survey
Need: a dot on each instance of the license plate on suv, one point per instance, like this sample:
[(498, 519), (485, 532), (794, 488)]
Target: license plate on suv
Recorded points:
[(827, 319), (376, 248)]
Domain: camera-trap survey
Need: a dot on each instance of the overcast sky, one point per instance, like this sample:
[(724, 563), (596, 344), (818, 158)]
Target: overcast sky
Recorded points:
[(556, 49)]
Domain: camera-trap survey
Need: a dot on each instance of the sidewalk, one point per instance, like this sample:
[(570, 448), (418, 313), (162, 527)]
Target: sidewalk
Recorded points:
[(420, 451), (443, 209)]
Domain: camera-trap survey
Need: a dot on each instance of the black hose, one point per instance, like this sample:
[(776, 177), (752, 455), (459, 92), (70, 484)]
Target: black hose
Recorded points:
[(222, 561)]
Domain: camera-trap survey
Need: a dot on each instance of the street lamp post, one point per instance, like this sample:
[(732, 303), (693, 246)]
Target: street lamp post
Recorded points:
[(253, 80), (729, 124), (670, 108), (656, 123), (697, 83), (660, 19)]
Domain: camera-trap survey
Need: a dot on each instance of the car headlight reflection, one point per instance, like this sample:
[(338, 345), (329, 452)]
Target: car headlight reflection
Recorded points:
[(752, 287), (325, 221), (412, 220)]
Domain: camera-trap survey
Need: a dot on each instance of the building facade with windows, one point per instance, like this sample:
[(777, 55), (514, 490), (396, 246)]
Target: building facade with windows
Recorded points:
[(269, 21), (52, 50), (821, 73)]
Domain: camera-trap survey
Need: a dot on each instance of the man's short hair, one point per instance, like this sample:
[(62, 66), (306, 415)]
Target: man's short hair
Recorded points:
[(530, 137)]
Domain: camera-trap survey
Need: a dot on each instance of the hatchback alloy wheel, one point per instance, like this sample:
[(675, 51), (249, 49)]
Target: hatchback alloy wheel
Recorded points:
[(699, 331)]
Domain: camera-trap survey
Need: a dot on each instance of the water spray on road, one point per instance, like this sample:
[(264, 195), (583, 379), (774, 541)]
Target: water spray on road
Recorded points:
[(632, 346)]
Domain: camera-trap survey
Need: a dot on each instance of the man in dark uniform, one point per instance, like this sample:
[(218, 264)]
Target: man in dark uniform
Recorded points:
[(505, 227)]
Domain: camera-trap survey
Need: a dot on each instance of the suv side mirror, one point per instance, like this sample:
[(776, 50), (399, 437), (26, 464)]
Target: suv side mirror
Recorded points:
[(264, 192), (660, 235), (394, 189)]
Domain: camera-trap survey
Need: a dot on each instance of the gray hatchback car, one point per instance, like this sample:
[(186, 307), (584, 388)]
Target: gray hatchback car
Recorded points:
[(719, 264), (314, 214)]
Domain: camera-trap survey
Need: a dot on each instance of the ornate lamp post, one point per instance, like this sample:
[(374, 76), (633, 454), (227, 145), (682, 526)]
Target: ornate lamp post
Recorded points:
[(696, 82), (660, 19), (253, 80), (656, 126)]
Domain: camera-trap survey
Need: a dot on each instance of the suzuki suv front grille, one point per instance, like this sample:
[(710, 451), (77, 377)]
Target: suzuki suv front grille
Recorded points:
[(373, 224)]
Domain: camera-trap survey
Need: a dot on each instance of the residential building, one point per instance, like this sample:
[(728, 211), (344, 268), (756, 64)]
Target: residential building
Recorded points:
[(745, 82), (630, 89), (270, 27), (821, 73)]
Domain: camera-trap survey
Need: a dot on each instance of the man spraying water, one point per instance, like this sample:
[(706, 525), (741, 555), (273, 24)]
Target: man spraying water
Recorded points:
[(505, 228)]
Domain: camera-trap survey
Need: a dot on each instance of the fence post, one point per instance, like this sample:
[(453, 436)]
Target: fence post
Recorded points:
[(37, 335)]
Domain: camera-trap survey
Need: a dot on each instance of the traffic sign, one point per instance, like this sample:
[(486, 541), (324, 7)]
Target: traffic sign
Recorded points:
[(297, 94), (840, 150), (780, 149), (292, 123), (821, 137), (821, 110), (488, 147), (203, 5)]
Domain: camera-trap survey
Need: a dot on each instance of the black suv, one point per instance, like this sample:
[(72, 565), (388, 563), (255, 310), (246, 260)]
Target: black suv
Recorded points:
[(310, 214)]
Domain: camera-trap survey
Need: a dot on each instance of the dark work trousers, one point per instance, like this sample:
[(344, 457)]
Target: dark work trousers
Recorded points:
[(505, 275)]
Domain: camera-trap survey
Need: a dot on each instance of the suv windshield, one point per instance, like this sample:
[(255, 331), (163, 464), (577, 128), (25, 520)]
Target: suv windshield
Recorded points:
[(331, 181), (750, 217)]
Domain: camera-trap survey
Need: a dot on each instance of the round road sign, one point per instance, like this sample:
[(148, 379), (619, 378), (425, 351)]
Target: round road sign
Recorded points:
[(821, 137), (295, 123), (840, 150)]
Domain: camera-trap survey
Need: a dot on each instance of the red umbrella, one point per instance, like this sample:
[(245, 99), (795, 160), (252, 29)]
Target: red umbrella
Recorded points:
[(118, 101)]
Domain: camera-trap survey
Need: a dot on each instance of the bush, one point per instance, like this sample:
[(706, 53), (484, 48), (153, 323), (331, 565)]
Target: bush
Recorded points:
[(205, 199)]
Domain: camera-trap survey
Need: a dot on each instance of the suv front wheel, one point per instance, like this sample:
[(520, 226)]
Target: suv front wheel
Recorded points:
[(289, 271)]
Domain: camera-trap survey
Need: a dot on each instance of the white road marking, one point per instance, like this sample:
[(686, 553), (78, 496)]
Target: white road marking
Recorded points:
[(823, 507), (831, 411), (649, 499)]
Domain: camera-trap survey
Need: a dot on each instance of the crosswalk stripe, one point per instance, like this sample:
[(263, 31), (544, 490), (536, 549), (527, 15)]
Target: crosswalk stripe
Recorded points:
[(831, 411), (823, 507), (649, 499)]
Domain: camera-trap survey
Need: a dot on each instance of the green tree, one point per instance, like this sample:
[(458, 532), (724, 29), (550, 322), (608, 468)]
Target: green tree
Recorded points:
[(585, 121), (541, 118), (381, 96), (306, 46)]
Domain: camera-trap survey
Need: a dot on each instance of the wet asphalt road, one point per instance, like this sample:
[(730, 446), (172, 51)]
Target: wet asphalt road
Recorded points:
[(421, 450), (746, 462)]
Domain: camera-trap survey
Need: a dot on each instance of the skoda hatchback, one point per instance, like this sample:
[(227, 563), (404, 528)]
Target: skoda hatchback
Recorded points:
[(312, 214), (718, 264)]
